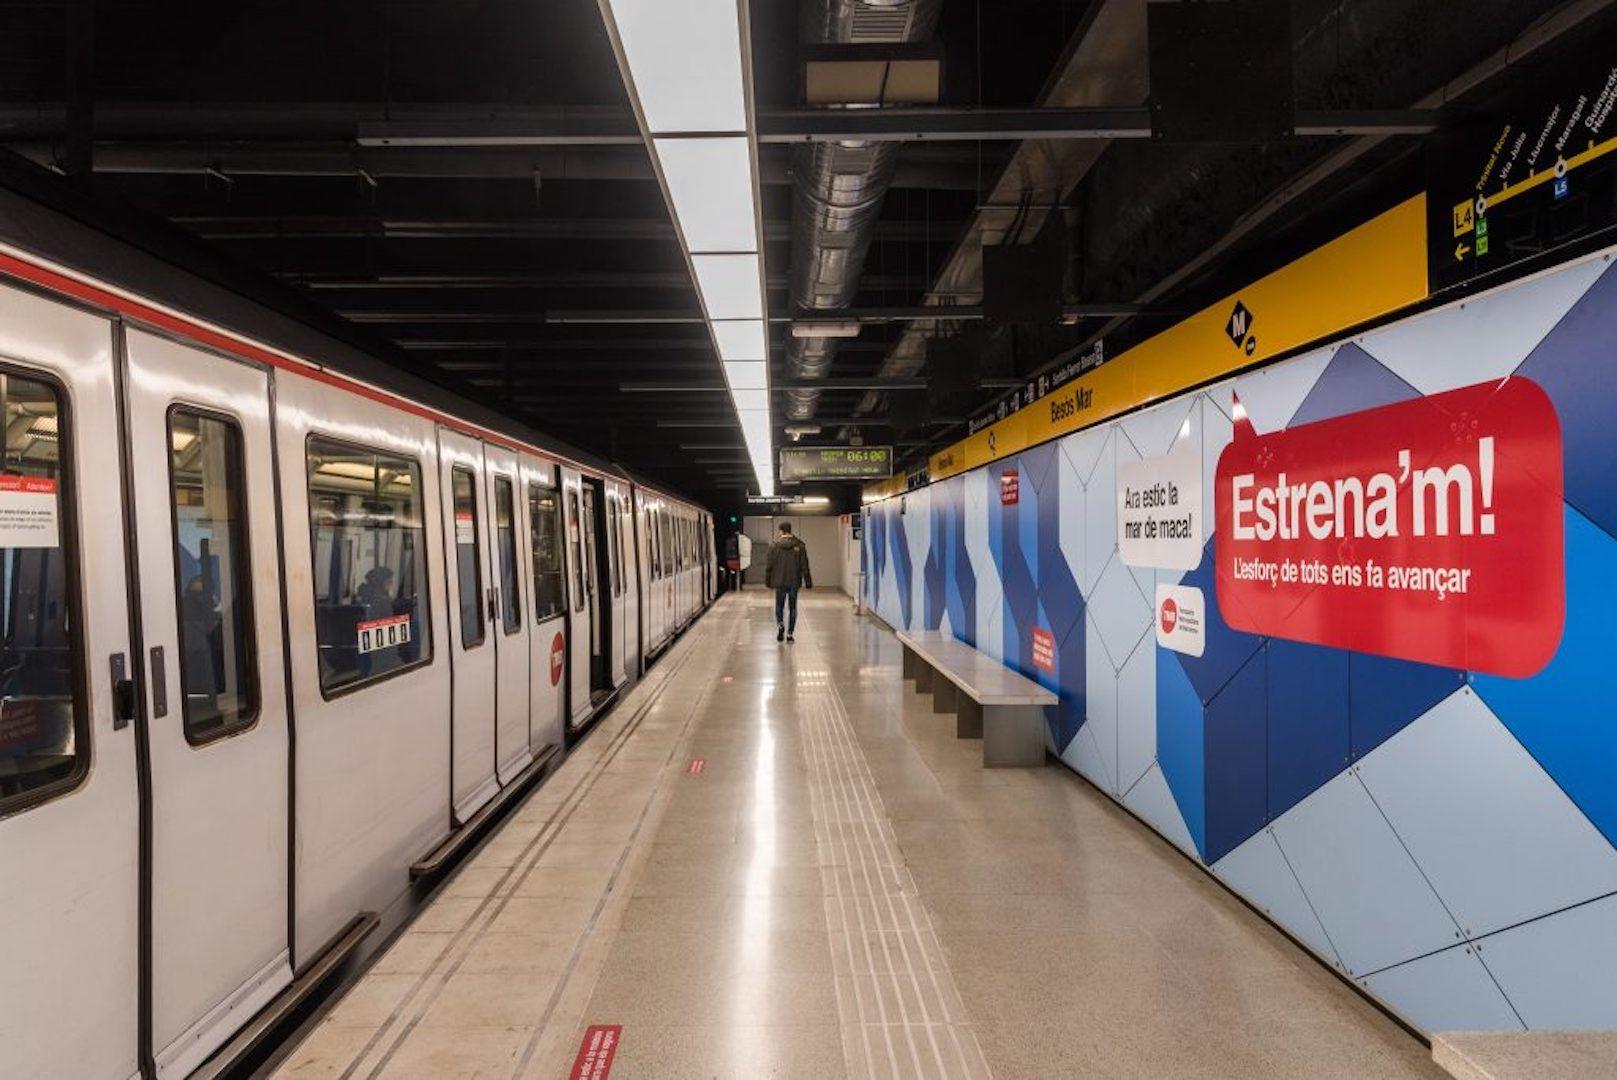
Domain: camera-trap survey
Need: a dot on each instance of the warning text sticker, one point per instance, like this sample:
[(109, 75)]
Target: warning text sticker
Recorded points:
[(385, 633)]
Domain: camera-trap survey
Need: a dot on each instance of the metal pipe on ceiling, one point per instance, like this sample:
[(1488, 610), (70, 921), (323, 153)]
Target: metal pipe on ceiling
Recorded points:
[(839, 186)]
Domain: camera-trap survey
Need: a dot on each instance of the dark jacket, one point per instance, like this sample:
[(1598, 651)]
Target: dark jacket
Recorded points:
[(787, 566)]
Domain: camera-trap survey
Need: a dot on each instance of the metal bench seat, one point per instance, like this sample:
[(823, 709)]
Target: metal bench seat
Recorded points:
[(990, 701)]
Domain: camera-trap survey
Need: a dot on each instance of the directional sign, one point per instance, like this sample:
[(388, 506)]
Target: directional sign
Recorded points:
[(1514, 177), (798, 463)]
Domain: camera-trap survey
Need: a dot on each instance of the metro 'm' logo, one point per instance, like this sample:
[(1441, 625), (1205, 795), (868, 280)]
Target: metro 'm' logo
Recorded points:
[(1239, 329)]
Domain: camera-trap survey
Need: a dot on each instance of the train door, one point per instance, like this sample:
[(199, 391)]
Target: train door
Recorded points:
[(510, 629), (472, 659), (69, 811), (598, 586), (579, 629), (201, 459), (617, 564), (709, 569), (630, 623), (547, 641)]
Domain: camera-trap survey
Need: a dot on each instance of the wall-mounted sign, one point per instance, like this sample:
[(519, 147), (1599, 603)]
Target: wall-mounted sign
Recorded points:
[(1044, 650), (799, 463), (1428, 530), (1181, 619), (1541, 175), (774, 500), (1010, 488), (1159, 511)]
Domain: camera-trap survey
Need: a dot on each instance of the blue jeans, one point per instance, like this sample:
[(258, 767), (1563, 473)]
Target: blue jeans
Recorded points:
[(781, 598)]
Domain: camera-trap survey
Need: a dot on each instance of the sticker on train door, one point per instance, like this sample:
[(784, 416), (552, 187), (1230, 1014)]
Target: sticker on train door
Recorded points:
[(28, 512), (465, 531), (375, 634), (558, 658)]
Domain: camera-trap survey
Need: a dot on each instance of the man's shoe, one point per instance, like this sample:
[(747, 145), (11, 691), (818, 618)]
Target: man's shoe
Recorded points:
[(780, 633), (790, 637)]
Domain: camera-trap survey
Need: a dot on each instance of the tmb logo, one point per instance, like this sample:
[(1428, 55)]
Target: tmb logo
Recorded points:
[(1239, 329), (1170, 615)]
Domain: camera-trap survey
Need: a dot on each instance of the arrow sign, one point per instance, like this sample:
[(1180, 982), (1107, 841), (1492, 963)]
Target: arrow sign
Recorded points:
[(1461, 250)]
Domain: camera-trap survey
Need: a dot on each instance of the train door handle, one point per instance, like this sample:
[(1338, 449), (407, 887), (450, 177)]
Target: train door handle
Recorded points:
[(123, 692), (159, 684)]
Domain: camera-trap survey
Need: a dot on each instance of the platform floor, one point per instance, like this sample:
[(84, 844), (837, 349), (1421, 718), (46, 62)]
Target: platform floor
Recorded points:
[(839, 890)]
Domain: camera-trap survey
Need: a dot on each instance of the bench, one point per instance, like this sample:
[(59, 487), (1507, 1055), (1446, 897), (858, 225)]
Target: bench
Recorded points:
[(1526, 1055), (990, 701)]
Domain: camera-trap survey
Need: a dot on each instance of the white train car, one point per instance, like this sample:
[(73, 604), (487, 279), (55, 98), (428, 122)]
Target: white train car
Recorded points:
[(677, 549), (273, 639)]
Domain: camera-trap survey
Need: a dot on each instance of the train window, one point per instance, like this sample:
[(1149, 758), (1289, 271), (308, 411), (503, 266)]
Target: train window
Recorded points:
[(573, 550), (505, 536), (651, 545), (617, 532), (44, 743), (667, 524), (614, 558), (469, 567), (370, 572), (212, 576), (549, 584)]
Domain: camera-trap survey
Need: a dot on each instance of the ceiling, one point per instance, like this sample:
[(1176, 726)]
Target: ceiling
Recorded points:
[(462, 181)]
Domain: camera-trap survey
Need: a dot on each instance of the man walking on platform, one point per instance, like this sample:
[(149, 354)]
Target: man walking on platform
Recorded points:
[(786, 570)]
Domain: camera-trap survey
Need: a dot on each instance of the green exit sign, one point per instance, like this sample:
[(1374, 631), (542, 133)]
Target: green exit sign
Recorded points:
[(799, 463)]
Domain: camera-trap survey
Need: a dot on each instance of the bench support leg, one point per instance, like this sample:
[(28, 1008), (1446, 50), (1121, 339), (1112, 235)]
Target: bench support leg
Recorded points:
[(911, 662), (968, 719), (944, 695), (923, 676), (1013, 736)]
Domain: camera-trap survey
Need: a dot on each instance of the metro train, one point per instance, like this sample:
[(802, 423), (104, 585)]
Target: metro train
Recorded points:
[(272, 635)]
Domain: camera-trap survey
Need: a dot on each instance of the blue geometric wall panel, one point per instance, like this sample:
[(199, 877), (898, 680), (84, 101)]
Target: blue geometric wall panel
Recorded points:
[(1564, 715), (1560, 971), (1447, 991), (1237, 758), (1308, 720), (1388, 813), (1495, 836), (1574, 366), (1368, 893), (1182, 746)]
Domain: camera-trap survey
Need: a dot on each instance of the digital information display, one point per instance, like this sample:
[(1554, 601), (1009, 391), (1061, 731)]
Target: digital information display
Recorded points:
[(799, 463)]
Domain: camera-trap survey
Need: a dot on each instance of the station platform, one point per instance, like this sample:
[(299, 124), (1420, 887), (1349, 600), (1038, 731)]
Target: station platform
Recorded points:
[(776, 860)]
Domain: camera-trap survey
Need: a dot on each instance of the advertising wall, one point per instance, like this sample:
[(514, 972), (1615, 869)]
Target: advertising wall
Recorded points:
[(1333, 628)]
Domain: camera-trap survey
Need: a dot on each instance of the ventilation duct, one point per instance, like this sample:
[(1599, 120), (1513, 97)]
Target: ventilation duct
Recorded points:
[(837, 188)]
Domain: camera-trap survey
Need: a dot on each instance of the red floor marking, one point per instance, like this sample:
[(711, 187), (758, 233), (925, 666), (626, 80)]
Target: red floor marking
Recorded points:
[(697, 765), (727, 678), (595, 1053)]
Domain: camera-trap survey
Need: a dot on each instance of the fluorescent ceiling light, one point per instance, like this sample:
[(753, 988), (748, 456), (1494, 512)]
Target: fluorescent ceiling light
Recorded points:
[(741, 339), (825, 328), (685, 58), (816, 500), (766, 486), (747, 400), (755, 428), (710, 183), (747, 375), (730, 286)]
